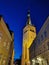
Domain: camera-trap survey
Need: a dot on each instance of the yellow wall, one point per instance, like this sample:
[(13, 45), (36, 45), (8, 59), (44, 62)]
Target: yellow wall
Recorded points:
[(5, 42), (29, 36)]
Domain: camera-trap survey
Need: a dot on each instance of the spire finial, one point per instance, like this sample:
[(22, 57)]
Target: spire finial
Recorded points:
[(28, 13), (28, 18)]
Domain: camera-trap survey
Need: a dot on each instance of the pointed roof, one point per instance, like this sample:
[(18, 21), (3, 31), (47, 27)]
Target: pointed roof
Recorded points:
[(28, 18)]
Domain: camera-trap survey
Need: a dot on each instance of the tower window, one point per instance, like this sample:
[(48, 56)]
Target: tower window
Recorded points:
[(32, 30), (25, 31)]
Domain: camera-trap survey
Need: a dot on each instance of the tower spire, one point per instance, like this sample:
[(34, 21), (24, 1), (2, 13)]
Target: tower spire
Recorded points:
[(28, 18)]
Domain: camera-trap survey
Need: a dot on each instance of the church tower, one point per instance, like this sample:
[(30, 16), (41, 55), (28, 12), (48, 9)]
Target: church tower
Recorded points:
[(29, 34)]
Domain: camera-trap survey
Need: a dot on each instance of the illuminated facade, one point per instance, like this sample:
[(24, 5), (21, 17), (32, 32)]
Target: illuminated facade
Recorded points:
[(39, 50), (29, 34), (11, 51), (6, 44)]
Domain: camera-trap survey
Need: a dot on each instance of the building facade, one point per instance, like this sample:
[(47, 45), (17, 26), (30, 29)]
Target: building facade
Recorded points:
[(11, 51), (29, 34), (39, 50), (6, 44)]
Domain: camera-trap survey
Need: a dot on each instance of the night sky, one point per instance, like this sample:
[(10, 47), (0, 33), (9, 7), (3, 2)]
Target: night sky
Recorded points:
[(15, 15)]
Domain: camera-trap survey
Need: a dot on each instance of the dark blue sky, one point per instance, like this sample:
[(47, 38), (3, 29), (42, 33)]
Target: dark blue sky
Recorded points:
[(15, 14)]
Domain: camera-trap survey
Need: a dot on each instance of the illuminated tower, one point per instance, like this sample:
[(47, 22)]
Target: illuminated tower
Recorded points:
[(29, 34)]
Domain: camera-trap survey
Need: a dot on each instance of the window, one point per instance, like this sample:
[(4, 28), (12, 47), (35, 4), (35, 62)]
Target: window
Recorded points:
[(0, 33), (0, 36), (25, 31), (42, 38), (4, 44), (0, 57), (7, 46), (3, 62), (38, 40), (45, 33), (48, 45), (32, 30)]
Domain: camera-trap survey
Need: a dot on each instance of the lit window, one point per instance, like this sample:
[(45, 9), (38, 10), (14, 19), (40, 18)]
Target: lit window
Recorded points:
[(4, 44), (3, 62), (7, 46)]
